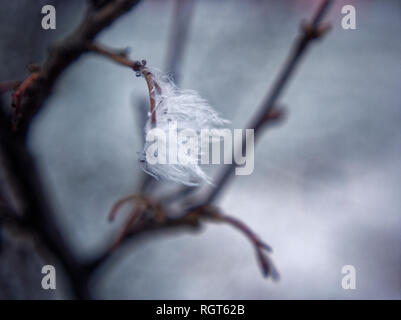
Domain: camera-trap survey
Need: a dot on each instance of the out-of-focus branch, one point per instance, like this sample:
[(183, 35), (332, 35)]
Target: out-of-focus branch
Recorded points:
[(36, 215), (154, 217), (181, 22), (30, 96), (64, 53), (8, 214), (310, 31), (261, 247)]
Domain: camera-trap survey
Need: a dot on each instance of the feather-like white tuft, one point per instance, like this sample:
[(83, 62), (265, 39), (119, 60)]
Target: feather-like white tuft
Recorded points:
[(189, 111)]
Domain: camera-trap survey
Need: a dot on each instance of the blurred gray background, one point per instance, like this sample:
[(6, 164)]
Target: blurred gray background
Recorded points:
[(326, 187)]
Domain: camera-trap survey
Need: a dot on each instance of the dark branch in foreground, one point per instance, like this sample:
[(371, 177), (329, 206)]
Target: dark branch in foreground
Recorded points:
[(17, 159), (36, 214)]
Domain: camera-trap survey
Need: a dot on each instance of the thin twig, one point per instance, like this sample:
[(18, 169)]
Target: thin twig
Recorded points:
[(138, 66), (152, 223), (132, 219), (138, 225), (119, 56)]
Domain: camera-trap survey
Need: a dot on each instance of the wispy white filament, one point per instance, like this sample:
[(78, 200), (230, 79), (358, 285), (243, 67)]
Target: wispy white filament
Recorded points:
[(189, 111)]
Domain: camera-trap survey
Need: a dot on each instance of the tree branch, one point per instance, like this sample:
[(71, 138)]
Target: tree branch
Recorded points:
[(138, 66), (154, 217), (64, 53), (21, 169), (180, 27), (311, 31)]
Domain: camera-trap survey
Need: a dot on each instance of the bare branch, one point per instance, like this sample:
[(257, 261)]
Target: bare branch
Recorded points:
[(261, 247), (138, 66), (180, 27), (119, 56), (20, 165), (310, 32), (37, 215), (156, 218), (64, 53)]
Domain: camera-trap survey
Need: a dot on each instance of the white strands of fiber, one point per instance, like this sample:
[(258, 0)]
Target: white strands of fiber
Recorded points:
[(187, 110)]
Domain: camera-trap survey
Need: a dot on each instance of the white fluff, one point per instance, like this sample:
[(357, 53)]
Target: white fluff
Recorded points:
[(189, 110)]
